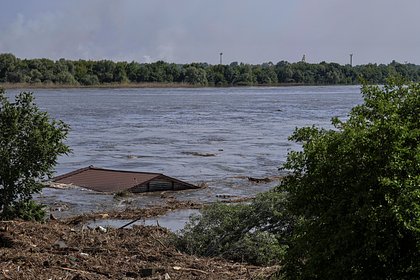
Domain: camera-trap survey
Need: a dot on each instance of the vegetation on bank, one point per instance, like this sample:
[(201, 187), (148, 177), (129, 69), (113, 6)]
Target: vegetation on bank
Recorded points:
[(46, 72), (349, 208), (256, 233)]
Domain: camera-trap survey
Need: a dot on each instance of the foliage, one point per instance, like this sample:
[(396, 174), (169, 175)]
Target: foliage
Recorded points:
[(254, 232), (28, 210), (82, 72), (356, 190), (195, 76), (30, 143)]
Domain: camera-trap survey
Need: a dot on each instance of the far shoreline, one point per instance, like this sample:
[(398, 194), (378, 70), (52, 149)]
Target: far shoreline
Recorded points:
[(108, 85), (146, 85)]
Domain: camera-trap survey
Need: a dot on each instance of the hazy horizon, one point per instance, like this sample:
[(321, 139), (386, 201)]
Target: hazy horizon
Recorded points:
[(187, 31)]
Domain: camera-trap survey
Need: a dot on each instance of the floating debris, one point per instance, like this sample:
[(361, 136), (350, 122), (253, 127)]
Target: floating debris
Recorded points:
[(259, 180), (265, 179), (199, 154)]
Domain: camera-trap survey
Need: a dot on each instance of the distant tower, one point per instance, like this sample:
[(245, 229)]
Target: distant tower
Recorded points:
[(351, 60), (304, 58), (221, 54)]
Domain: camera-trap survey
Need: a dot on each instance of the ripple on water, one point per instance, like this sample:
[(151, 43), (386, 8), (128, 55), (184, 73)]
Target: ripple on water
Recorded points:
[(243, 127)]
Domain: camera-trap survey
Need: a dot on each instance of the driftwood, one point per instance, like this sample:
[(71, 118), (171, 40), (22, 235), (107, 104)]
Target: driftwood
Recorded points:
[(259, 180)]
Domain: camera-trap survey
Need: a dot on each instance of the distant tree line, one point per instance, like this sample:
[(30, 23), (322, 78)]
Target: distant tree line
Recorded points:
[(90, 73)]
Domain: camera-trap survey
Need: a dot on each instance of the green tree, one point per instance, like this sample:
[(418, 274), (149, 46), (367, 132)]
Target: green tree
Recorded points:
[(143, 74), (371, 73), (89, 80), (284, 72), (173, 73), (65, 78), (265, 74), (232, 73), (245, 77), (7, 65), (30, 143), (216, 75), (156, 72), (356, 189), (35, 76), (104, 70), (195, 76), (120, 75)]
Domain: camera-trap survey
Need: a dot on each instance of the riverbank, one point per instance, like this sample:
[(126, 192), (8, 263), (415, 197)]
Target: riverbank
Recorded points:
[(68, 250), (140, 85), (104, 86)]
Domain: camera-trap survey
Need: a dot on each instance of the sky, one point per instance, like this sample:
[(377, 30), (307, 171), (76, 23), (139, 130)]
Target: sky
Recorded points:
[(185, 31)]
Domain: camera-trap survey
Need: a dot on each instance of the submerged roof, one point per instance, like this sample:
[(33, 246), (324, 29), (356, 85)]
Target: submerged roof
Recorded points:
[(108, 180)]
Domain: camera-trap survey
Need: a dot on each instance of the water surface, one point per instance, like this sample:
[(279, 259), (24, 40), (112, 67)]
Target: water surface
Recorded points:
[(243, 132)]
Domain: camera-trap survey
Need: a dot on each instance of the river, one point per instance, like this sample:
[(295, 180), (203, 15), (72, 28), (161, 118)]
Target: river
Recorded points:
[(217, 136)]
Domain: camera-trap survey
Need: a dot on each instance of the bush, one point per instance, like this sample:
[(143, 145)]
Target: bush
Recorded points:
[(30, 143), (254, 232), (356, 190), (29, 210)]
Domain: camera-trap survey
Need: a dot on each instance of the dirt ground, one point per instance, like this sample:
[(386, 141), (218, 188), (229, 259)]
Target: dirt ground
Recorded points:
[(68, 250)]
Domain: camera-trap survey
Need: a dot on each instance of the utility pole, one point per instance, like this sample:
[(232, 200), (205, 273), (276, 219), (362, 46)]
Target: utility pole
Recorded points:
[(351, 60), (221, 54)]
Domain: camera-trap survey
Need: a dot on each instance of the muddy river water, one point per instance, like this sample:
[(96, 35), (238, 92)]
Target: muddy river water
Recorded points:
[(217, 136)]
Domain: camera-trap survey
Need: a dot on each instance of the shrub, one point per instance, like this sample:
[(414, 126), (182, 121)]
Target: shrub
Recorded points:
[(356, 190), (30, 143), (254, 232)]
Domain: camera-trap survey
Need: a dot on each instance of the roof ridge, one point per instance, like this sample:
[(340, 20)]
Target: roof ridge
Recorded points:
[(91, 167), (71, 173), (123, 171)]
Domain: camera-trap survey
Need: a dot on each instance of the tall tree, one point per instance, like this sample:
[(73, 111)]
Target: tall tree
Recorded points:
[(30, 143), (7, 65), (195, 76)]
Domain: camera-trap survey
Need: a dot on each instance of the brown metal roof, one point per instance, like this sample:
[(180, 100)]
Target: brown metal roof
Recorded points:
[(108, 180)]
